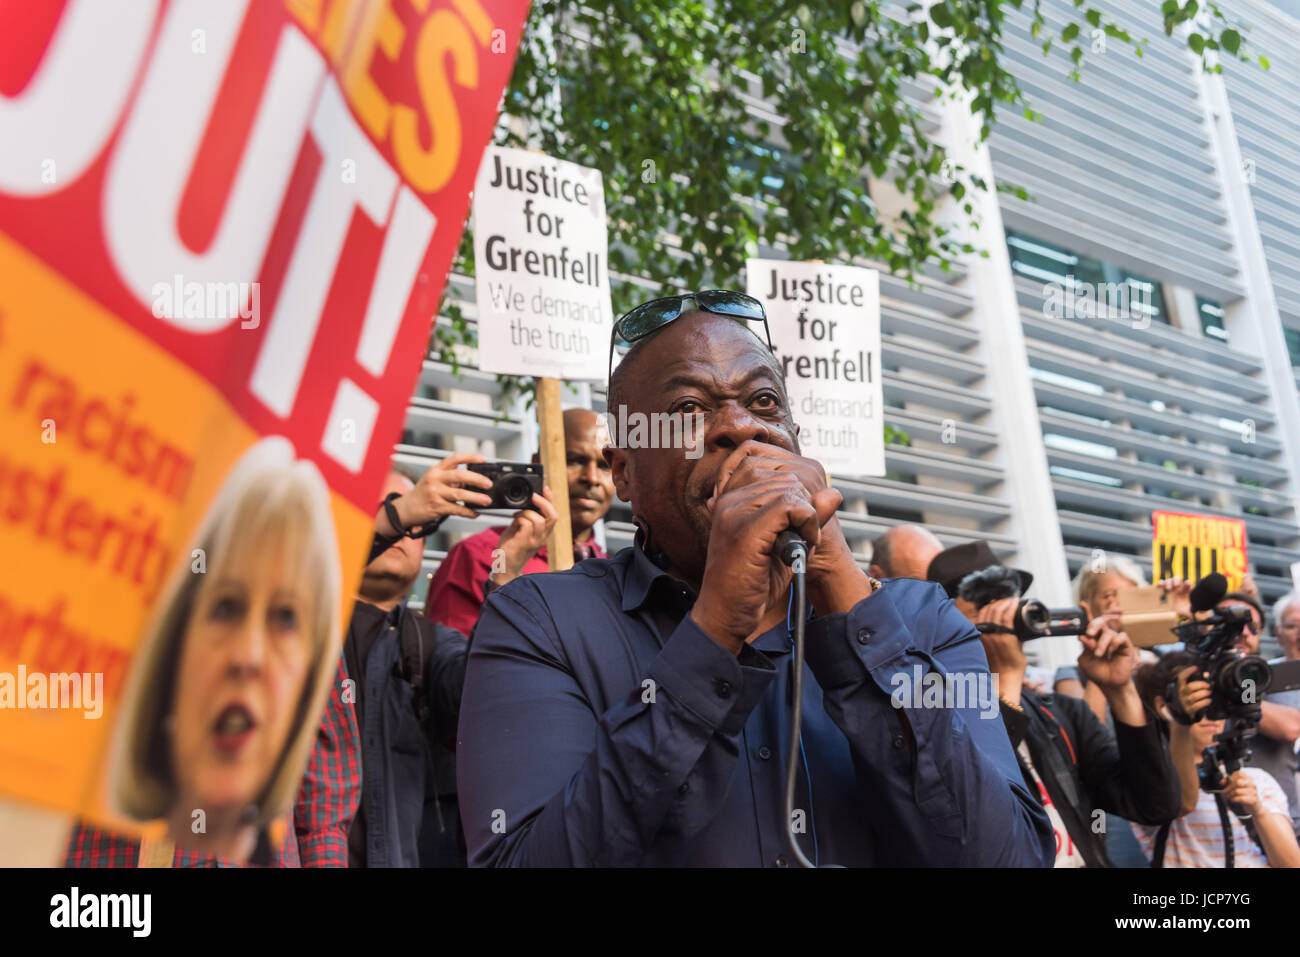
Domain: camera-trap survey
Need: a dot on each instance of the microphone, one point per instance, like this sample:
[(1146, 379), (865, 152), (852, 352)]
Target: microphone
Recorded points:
[(1209, 591), (789, 546)]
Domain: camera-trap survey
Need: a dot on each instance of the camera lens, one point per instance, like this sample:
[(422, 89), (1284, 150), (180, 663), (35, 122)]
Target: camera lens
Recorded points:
[(1035, 618), (1250, 672), (516, 492), (1256, 671)]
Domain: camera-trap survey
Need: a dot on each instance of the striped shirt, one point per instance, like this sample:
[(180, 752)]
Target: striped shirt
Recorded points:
[(1196, 839)]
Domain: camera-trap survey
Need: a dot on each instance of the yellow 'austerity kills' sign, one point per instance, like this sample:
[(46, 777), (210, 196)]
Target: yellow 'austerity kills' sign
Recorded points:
[(1193, 546)]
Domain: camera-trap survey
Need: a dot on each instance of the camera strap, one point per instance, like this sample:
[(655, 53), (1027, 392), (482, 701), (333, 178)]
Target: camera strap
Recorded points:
[(416, 531), (1158, 852), (1225, 821), (1229, 852)]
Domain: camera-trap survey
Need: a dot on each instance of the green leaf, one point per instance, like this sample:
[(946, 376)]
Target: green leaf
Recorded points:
[(1070, 31), (1231, 41), (1263, 62), (1196, 42), (941, 15)]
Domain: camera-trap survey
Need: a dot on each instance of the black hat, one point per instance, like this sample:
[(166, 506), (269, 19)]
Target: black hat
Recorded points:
[(951, 565)]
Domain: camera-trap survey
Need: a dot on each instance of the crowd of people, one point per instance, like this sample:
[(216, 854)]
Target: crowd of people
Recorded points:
[(1104, 732), (633, 710)]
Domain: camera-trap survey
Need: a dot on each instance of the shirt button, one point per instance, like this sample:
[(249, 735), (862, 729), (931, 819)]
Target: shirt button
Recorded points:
[(765, 753), (780, 861), (898, 740), (724, 688), (864, 635), (684, 788)]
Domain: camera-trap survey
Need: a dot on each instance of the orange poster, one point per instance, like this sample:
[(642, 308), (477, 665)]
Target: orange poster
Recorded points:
[(224, 232)]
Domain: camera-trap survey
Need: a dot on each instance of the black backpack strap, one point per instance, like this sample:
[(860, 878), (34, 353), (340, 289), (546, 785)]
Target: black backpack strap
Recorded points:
[(411, 634), (1158, 852)]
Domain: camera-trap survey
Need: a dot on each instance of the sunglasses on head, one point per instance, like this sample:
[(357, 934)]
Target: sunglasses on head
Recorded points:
[(650, 317)]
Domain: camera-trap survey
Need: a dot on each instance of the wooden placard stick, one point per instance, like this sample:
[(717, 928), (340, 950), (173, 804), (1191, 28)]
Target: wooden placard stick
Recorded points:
[(550, 424)]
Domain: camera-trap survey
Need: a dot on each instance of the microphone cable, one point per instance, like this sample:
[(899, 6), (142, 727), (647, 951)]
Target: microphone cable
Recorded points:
[(794, 552)]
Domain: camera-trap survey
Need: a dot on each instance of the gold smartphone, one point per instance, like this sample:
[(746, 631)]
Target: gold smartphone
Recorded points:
[(1147, 615)]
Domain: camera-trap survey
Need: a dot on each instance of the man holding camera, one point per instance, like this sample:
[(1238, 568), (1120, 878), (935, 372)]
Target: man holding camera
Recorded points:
[(630, 711), (1077, 767), (500, 554), (409, 673)]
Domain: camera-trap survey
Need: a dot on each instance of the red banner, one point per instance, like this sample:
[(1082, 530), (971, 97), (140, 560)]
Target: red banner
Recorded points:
[(224, 232)]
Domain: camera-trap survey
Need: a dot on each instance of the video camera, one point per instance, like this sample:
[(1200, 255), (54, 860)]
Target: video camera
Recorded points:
[(1033, 618), (1237, 681)]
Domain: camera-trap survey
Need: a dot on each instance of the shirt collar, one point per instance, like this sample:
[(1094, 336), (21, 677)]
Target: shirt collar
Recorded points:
[(640, 579), (643, 576), (362, 609)]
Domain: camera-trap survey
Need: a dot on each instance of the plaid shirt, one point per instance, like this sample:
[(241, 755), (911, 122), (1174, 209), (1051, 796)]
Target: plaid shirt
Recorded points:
[(322, 814)]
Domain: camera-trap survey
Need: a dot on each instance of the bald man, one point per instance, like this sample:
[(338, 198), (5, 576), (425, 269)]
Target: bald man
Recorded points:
[(905, 551), (498, 555)]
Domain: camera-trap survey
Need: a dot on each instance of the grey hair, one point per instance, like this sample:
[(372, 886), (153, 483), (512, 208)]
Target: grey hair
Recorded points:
[(1280, 606)]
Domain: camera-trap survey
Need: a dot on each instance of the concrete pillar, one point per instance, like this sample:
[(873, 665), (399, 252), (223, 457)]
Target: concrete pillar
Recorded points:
[(1253, 322), (1033, 523)]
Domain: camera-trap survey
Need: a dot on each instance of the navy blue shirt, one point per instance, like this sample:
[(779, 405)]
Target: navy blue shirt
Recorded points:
[(601, 726)]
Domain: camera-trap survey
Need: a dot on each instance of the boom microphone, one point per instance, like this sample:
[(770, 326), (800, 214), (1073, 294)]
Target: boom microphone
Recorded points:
[(1209, 591)]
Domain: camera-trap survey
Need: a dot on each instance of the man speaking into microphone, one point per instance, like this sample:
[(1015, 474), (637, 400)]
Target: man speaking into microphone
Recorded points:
[(633, 711)]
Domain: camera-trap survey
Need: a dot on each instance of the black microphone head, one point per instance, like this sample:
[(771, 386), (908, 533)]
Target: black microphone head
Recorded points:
[(787, 543), (1209, 591)]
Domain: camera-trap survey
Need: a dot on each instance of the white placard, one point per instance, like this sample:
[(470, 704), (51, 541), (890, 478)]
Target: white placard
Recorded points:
[(825, 323), (541, 262), (1295, 580)]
